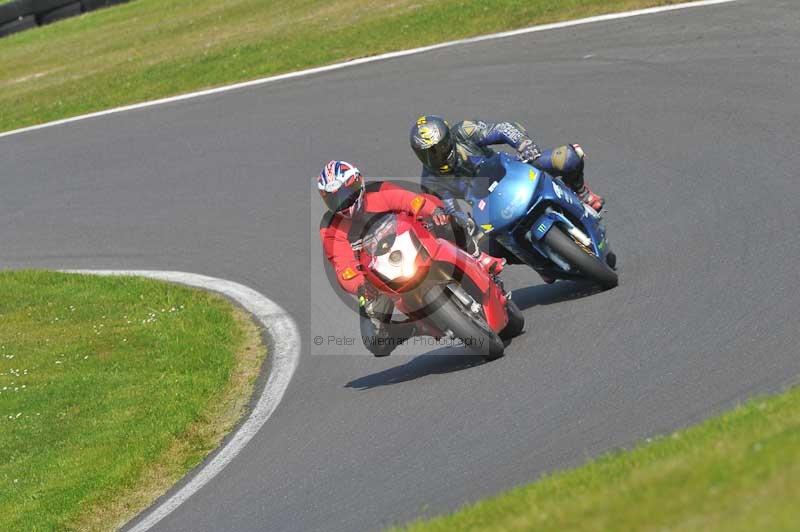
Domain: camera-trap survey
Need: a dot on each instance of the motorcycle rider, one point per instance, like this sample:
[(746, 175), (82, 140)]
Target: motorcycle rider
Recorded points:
[(351, 204), (449, 154)]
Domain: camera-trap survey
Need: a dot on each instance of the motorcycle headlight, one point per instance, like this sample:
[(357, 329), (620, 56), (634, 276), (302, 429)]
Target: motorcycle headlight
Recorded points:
[(396, 257), (400, 261)]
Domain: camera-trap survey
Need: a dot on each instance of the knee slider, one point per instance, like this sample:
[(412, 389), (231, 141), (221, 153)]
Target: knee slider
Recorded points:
[(568, 160), (380, 346), (577, 161)]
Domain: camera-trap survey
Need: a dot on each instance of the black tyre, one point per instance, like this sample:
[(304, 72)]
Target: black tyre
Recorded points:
[(581, 258), (40, 7), (516, 322), (9, 12), (452, 315), (67, 11), (21, 24), (12, 11), (91, 5)]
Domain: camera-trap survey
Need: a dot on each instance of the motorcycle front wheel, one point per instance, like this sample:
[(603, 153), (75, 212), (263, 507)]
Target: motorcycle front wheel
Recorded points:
[(580, 258), (453, 317)]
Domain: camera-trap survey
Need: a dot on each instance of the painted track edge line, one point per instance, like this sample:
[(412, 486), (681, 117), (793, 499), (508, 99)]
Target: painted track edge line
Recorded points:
[(370, 59), (284, 357)]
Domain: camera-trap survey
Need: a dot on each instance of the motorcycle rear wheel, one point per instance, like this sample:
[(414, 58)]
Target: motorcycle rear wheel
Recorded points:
[(577, 256), (451, 315)]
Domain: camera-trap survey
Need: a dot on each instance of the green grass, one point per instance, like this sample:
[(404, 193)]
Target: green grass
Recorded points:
[(736, 472), (108, 387), (148, 49)]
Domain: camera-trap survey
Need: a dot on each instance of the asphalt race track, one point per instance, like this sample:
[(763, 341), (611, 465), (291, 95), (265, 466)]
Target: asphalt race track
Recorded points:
[(690, 120)]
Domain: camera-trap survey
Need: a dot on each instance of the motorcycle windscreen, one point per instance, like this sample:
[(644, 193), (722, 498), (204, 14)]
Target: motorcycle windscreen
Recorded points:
[(400, 261), (380, 234), (509, 198), (490, 173)]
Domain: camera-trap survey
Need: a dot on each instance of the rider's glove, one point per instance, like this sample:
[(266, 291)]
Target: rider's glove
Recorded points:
[(366, 295), (439, 217), (528, 151)]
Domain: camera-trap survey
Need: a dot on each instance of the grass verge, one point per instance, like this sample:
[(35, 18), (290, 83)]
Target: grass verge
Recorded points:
[(149, 49), (111, 389), (736, 472)]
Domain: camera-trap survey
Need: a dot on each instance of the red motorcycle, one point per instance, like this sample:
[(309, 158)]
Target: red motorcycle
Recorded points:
[(436, 284)]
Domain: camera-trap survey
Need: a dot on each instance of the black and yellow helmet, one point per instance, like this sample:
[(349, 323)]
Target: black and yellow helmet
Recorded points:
[(433, 144)]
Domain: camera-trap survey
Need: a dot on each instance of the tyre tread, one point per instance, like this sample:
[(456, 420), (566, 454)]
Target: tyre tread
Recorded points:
[(592, 267)]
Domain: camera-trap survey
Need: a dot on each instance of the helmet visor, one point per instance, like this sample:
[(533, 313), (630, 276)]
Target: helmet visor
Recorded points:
[(440, 156), (342, 199)]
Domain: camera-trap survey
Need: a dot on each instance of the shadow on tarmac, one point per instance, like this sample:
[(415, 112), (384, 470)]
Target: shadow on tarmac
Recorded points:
[(433, 363), (548, 294), (445, 360)]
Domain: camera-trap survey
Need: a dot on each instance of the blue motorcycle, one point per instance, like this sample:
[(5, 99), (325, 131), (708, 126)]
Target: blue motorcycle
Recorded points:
[(540, 221)]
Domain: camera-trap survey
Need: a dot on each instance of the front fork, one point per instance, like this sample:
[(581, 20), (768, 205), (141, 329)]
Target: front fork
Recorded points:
[(466, 299), (544, 258)]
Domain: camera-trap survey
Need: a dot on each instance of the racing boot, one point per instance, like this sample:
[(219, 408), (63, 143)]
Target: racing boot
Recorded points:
[(492, 265), (595, 201)]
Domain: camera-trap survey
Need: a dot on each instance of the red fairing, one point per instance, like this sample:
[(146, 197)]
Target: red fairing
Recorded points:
[(463, 267), (335, 244), (493, 300), (387, 197), (405, 223), (494, 306)]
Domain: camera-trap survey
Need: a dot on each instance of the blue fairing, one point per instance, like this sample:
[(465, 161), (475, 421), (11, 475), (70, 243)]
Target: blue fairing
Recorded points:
[(509, 197), (507, 193)]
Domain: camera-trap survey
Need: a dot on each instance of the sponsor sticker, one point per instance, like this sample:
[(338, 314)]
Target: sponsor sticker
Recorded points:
[(493, 186), (481, 205), (349, 273)]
